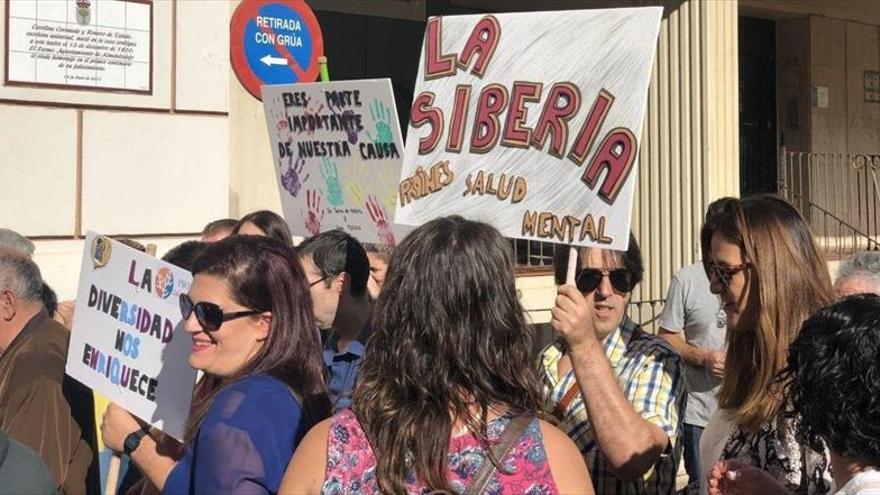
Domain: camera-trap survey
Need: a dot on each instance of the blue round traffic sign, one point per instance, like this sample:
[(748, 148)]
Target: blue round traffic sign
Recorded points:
[(274, 42)]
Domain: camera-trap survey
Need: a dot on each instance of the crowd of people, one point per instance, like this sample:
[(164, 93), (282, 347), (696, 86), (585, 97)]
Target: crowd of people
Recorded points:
[(337, 367)]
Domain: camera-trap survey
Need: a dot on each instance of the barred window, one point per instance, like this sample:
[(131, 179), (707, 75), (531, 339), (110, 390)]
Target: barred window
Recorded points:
[(533, 255)]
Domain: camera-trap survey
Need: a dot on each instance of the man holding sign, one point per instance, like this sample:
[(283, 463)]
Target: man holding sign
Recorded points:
[(617, 391)]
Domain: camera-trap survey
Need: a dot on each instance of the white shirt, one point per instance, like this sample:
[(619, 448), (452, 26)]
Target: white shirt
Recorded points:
[(865, 483)]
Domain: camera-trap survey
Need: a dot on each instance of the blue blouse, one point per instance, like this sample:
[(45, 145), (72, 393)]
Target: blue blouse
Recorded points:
[(246, 440)]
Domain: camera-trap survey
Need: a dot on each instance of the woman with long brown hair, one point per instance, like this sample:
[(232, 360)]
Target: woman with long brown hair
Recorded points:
[(249, 315), (448, 397), (763, 263)]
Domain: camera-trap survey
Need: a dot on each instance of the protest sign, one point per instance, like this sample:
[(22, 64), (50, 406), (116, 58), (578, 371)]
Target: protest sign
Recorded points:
[(531, 122), (338, 150), (128, 341)]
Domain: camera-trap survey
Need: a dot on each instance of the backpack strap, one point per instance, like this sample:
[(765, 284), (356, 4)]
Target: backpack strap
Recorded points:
[(562, 405), (573, 389), (511, 435)]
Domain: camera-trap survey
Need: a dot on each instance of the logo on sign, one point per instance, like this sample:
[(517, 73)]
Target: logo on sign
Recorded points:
[(164, 283)]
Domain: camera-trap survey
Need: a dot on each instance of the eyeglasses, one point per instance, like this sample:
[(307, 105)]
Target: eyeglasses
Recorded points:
[(724, 273), (316, 282), (209, 315), (590, 278)]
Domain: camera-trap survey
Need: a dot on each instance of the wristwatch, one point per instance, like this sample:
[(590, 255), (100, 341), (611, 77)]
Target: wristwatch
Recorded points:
[(133, 440)]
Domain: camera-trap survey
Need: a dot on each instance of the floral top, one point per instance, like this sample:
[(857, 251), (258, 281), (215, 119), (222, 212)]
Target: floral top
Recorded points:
[(774, 448), (351, 464)]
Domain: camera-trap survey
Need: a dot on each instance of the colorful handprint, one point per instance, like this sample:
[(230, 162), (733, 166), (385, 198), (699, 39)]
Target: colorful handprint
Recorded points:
[(355, 192), (292, 179), (381, 120), (377, 214), (330, 173), (315, 213), (388, 182), (357, 179), (278, 115), (347, 119), (312, 111)]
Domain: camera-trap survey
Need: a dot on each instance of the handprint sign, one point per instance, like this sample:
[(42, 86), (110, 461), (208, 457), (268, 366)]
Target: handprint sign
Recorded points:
[(315, 213), (292, 179), (377, 214), (381, 120), (330, 173)]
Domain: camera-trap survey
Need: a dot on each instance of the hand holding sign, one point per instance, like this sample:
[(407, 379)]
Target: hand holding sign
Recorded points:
[(116, 424), (572, 317)]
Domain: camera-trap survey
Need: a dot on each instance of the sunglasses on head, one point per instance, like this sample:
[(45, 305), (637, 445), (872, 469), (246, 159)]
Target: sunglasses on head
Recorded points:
[(590, 278), (209, 315), (724, 273)]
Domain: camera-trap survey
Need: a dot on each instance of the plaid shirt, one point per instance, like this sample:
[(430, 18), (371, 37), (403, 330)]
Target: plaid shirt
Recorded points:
[(649, 373)]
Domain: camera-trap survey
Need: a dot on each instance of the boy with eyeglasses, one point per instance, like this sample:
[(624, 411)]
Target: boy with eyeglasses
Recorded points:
[(617, 391), (337, 269)]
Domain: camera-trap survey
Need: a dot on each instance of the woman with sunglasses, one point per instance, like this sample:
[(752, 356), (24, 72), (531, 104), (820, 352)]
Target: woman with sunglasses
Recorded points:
[(250, 319), (762, 262), (447, 378)]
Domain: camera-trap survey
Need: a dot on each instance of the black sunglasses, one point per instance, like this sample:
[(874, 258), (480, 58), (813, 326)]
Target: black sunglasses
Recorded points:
[(724, 273), (590, 278), (209, 315)]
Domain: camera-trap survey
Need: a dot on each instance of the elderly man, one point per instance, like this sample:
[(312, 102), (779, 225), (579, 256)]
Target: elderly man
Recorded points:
[(12, 240), (337, 268), (859, 274), (618, 392), (33, 351)]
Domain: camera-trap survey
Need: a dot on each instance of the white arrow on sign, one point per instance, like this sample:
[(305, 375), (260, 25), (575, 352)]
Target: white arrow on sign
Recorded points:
[(270, 60)]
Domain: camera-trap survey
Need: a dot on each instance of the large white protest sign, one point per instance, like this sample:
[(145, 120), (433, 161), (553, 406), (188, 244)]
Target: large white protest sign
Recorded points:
[(531, 122), (338, 151), (128, 341)]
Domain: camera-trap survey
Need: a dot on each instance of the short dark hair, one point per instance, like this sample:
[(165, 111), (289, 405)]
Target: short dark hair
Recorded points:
[(631, 259), (269, 222), (224, 224), (334, 252), (832, 378), (383, 250), (183, 254)]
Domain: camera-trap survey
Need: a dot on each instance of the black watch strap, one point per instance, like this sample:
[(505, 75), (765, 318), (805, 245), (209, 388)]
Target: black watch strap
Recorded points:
[(133, 440)]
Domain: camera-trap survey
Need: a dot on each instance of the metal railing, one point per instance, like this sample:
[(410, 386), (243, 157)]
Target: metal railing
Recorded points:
[(839, 196), (646, 313)]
